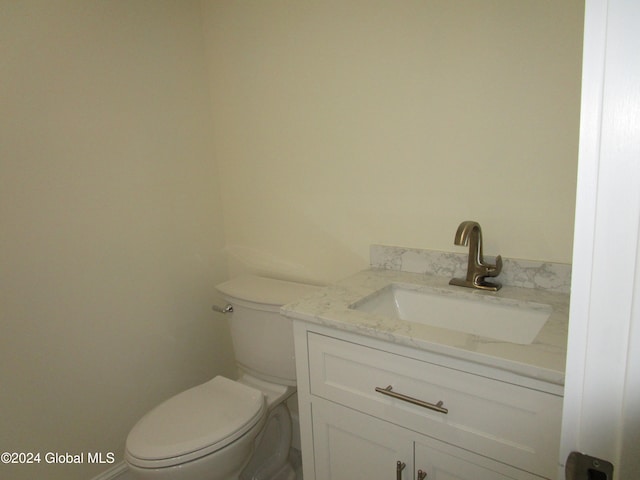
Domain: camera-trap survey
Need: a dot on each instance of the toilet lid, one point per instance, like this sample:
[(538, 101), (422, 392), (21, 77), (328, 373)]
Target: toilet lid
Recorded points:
[(195, 423)]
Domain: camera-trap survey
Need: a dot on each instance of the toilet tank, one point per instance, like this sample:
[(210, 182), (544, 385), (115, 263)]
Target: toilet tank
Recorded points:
[(262, 337)]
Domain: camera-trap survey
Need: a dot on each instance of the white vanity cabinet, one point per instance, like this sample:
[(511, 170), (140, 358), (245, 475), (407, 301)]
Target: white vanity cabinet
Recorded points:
[(352, 445), (367, 404)]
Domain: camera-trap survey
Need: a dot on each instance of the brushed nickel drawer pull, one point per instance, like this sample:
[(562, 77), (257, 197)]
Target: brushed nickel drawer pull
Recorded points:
[(431, 406)]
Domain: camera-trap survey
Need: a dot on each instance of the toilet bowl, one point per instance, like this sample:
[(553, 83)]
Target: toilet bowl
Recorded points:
[(229, 429)]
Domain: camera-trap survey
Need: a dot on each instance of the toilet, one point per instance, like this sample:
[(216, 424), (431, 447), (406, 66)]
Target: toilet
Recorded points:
[(228, 429)]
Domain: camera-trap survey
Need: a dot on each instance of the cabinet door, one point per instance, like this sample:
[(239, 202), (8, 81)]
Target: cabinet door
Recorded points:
[(349, 445), (441, 461)]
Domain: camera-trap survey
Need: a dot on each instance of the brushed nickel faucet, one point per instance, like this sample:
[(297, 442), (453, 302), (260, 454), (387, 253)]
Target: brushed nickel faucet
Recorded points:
[(469, 233)]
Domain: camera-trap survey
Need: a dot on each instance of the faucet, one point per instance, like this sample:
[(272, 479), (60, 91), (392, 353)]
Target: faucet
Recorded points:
[(469, 233)]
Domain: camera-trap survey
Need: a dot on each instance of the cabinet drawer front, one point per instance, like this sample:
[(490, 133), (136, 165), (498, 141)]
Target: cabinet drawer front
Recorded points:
[(512, 424)]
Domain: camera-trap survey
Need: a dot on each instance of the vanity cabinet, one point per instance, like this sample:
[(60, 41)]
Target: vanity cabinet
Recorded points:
[(366, 404), (352, 445)]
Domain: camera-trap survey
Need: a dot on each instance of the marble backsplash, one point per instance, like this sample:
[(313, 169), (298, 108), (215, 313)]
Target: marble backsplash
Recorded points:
[(515, 272)]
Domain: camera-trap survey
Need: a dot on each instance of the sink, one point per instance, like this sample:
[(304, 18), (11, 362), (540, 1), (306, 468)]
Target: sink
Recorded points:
[(480, 314)]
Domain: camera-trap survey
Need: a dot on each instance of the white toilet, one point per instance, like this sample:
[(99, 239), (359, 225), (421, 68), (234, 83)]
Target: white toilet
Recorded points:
[(225, 429)]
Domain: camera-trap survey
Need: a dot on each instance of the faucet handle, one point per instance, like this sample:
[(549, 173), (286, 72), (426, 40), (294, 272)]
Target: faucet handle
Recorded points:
[(494, 270)]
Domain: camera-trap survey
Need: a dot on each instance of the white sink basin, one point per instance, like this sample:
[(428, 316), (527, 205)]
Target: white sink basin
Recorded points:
[(484, 315)]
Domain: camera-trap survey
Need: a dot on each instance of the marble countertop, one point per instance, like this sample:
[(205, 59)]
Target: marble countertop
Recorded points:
[(543, 359)]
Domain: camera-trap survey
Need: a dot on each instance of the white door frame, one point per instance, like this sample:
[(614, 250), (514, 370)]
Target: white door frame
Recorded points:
[(602, 391)]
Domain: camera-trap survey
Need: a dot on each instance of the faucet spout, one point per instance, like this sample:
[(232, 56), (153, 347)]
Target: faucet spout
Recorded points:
[(465, 230), (469, 234)]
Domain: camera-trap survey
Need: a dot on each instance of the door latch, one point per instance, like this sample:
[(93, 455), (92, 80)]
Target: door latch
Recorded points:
[(584, 467)]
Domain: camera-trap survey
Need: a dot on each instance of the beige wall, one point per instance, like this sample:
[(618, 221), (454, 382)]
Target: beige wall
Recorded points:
[(341, 124), (110, 223), (334, 125)]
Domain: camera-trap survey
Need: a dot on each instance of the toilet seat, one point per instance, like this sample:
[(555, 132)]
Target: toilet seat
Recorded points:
[(195, 423)]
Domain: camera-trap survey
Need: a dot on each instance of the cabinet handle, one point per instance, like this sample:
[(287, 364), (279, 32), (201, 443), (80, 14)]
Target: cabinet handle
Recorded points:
[(421, 475), (431, 406), (399, 467)]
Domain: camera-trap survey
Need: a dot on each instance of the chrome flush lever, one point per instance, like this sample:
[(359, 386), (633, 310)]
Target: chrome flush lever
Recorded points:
[(228, 308)]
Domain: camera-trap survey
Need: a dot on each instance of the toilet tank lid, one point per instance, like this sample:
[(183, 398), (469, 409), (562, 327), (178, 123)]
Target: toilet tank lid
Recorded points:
[(269, 291)]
